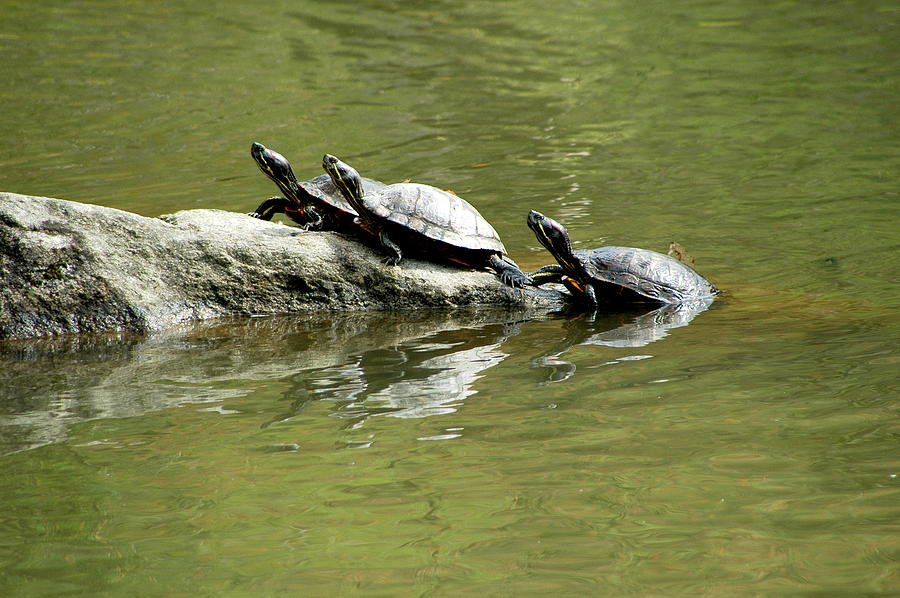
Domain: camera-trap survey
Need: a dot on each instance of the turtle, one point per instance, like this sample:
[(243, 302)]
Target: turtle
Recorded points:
[(615, 275), (314, 205), (425, 221)]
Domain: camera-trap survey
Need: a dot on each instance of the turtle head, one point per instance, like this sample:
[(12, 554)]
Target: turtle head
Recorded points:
[(345, 178), (276, 167), (552, 235)]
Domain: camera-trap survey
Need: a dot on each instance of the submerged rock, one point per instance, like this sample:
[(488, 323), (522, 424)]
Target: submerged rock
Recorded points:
[(68, 267)]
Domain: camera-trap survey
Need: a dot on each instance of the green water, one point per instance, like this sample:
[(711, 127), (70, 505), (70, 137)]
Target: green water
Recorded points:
[(750, 449)]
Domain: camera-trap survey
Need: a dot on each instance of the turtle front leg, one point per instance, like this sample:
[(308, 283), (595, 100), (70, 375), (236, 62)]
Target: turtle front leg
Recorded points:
[(591, 295), (270, 207), (582, 292), (312, 219), (391, 248), (508, 271), (547, 274)]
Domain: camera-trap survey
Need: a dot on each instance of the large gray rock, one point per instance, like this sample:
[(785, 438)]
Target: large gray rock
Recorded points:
[(67, 267)]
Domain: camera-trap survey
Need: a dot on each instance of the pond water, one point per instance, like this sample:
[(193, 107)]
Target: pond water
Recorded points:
[(745, 448)]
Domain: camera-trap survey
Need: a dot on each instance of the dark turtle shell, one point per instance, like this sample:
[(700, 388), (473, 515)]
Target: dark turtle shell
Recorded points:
[(435, 214), (650, 274)]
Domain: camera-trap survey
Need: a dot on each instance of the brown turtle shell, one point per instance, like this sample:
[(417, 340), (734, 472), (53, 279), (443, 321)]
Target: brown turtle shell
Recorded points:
[(648, 273), (435, 214)]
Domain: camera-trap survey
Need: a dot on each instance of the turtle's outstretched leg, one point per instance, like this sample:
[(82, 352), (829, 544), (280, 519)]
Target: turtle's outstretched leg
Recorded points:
[(547, 274), (391, 248), (270, 207), (307, 217), (508, 271)]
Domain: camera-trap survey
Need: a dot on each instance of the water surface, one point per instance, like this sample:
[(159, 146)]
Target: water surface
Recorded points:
[(745, 449)]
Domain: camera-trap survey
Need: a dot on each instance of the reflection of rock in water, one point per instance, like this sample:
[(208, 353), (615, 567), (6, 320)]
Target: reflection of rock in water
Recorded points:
[(641, 331), (412, 364), (50, 384), (439, 392), (419, 377)]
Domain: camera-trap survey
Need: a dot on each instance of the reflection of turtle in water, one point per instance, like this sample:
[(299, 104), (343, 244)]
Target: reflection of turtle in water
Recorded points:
[(315, 205), (631, 327), (426, 221), (615, 275)]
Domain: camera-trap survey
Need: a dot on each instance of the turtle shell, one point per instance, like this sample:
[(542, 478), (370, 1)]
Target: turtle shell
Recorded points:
[(324, 190), (436, 215), (656, 276)]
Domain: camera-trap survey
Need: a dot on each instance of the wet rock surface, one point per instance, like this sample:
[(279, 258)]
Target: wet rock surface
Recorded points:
[(68, 267)]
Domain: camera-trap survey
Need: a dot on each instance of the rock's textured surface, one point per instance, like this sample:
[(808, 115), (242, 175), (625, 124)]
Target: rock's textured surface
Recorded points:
[(68, 267)]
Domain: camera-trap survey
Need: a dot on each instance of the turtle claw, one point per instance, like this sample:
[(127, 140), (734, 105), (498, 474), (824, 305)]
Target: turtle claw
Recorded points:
[(315, 225), (510, 281), (391, 261), (516, 280)]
